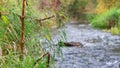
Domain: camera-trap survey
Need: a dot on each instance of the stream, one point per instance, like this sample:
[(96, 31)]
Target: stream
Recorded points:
[(100, 50)]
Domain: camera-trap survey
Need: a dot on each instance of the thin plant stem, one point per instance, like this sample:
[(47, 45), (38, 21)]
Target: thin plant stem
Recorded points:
[(22, 33)]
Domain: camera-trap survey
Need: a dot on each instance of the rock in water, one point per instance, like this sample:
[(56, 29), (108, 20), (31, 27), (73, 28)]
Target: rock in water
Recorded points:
[(78, 44), (70, 44)]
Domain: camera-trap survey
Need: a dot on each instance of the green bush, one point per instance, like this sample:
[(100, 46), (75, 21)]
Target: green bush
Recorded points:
[(110, 18), (90, 17), (101, 20)]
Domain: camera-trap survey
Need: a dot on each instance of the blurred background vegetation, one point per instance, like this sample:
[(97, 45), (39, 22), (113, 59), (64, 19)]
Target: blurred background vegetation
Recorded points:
[(102, 14)]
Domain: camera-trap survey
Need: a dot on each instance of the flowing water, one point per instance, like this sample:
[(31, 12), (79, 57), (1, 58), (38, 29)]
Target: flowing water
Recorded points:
[(101, 49)]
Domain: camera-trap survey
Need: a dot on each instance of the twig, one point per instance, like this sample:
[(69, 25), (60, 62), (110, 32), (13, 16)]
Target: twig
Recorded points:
[(45, 18), (48, 61), (39, 19), (4, 13), (43, 55)]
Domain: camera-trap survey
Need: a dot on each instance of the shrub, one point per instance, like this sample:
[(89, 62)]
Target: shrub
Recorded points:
[(77, 6), (106, 19)]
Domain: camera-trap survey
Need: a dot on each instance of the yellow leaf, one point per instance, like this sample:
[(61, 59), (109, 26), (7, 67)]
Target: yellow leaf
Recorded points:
[(48, 37)]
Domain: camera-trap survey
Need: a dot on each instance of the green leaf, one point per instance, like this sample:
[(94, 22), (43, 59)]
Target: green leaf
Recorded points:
[(2, 9), (5, 20)]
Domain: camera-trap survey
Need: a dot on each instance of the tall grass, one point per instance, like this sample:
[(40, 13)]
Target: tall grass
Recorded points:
[(10, 35)]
